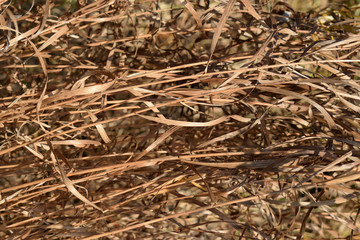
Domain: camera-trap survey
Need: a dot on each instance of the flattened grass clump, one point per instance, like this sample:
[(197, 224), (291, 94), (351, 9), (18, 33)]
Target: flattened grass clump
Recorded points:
[(179, 120)]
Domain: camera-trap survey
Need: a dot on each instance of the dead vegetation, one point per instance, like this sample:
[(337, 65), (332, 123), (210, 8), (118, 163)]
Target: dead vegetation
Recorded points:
[(116, 125)]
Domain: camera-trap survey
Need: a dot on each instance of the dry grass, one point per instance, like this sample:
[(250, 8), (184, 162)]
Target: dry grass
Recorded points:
[(115, 124)]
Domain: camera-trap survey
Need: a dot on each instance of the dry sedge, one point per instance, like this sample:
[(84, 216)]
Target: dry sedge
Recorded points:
[(179, 119)]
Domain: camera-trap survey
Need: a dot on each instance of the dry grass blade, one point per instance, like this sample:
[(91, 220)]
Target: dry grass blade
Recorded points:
[(190, 8), (337, 161), (63, 30), (218, 165), (68, 183), (219, 28), (184, 123), (327, 116), (157, 142), (251, 10), (100, 128), (171, 216), (254, 13), (45, 18)]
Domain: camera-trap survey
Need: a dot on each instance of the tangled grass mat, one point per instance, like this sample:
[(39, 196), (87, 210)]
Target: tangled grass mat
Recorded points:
[(179, 119)]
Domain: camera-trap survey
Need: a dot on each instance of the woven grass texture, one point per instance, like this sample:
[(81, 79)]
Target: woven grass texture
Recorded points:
[(179, 119)]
